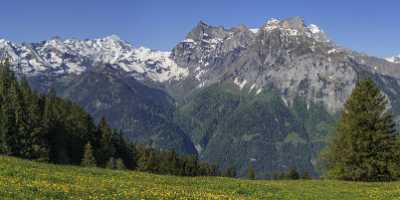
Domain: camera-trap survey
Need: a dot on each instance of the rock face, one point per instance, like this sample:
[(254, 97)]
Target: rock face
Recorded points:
[(283, 54), (234, 74), (269, 96)]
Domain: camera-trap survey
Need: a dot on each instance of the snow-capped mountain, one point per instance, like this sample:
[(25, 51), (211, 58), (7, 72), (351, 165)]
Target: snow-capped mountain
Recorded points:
[(277, 87), (268, 94), (394, 59), (73, 56), (283, 53)]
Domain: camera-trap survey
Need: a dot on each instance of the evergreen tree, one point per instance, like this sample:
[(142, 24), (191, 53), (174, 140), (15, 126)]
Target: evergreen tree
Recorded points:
[(293, 174), (124, 151), (250, 172), (110, 163), (3, 131), (88, 159), (363, 148), (305, 175), (4, 119), (119, 164), (29, 125), (229, 172), (105, 148)]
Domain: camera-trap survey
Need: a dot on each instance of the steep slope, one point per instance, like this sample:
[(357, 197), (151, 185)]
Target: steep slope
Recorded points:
[(269, 96), (108, 77), (289, 81), (143, 113), (73, 56)]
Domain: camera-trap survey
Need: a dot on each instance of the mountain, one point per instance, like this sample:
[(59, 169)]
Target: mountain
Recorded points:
[(269, 96), (394, 59), (72, 56), (108, 77)]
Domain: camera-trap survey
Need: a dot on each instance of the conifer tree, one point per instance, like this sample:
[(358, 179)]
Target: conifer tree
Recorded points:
[(230, 172), (119, 164), (251, 174), (29, 126), (88, 159), (293, 174), (363, 148), (110, 163), (305, 175), (4, 123), (105, 148)]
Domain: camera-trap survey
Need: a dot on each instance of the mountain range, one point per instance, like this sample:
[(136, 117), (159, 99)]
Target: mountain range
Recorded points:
[(267, 96)]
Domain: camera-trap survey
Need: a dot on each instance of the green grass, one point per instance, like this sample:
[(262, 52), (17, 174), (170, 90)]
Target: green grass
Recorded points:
[(26, 180)]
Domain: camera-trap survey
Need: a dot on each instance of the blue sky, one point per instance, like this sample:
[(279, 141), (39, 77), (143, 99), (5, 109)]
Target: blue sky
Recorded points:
[(372, 27)]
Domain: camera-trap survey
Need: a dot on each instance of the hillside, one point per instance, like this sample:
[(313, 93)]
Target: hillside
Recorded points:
[(21, 179), (229, 95)]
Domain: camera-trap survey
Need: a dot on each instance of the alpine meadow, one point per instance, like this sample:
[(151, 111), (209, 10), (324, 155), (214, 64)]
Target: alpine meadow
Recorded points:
[(200, 100)]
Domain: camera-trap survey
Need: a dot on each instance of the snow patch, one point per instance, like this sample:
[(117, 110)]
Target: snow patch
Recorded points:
[(239, 83), (285, 101), (331, 51), (259, 91), (254, 30), (252, 87), (314, 29), (394, 59)]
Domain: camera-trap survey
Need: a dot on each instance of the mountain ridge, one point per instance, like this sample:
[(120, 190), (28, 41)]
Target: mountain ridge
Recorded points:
[(233, 96)]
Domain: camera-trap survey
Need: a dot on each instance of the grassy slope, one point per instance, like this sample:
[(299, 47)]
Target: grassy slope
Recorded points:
[(21, 179)]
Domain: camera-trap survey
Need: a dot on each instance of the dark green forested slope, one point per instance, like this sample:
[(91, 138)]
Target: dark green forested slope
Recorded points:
[(234, 128), (47, 128), (143, 113)]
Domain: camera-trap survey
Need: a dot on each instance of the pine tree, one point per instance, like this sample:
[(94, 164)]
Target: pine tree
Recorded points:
[(230, 172), (4, 123), (363, 148), (105, 148), (305, 175), (3, 131), (119, 164), (29, 125), (110, 163), (88, 159), (293, 174), (250, 172)]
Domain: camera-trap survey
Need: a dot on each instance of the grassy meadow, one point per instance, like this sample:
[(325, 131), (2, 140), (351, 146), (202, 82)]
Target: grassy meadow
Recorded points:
[(20, 179)]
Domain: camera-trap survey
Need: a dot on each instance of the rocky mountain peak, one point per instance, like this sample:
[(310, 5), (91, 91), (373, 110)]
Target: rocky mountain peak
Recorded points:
[(295, 58), (295, 26), (293, 23)]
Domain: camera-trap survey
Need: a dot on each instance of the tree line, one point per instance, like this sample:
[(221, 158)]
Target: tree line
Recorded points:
[(47, 128), (44, 127)]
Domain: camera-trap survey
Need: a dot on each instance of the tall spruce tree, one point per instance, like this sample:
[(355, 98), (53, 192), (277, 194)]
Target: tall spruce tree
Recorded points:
[(293, 174), (251, 174), (4, 118), (88, 159), (105, 148), (119, 164), (229, 172), (363, 148)]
